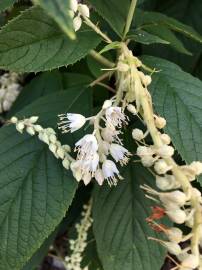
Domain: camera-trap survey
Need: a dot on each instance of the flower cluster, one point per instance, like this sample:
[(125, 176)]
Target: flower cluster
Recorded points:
[(77, 12), (93, 149), (77, 246), (46, 135), (9, 90), (180, 201)]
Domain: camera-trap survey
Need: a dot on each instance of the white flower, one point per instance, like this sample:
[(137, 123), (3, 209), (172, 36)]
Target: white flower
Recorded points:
[(145, 151), (110, 134), (86, 147), (165, 138), (119, 153), (77, 22), (196, 166), (71, 122), (177, 215), (176, 197), (115, 116), (110, 172), (166, 182), (166, 151), (90, 165), (160, 122)]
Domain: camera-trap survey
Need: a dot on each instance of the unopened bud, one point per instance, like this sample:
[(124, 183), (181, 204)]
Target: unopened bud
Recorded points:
[(160, 122), (77, 22), (30, 130), (66, 163), (191, 261), (166, 151), (122, 67), (137, 134), (20, 126), (161, 167), (84, 10), (174, 234), (177, 215), (165, 138), (172, 248), (33, 119), (107, 104), (132, 109), (73, 5), (14, 120)]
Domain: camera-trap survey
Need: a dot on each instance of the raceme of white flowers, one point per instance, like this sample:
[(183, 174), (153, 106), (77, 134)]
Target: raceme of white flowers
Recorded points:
[(78, 245), (46, 135), (96, 150), (99, 152), (9, 90), (77, 12)]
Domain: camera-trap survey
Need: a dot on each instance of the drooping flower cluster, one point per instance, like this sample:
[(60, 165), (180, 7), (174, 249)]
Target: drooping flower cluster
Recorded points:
[(9, 90), (46, 135), (77, 11), (93, 149), (77, 246), (179, 201)]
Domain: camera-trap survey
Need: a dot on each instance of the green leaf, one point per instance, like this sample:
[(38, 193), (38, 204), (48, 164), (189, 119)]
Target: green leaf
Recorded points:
[(35, 190), (169, 36), (114, 12), (146, 38), (60, 12), (119, 224), (35, 43), (178, 97), (112, 46), (47, 83), (144, 19), (4, 4)]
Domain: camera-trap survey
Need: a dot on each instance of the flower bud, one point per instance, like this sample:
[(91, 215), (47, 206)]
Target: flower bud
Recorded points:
[(84, 10), (177, 197), (160, 122), (166, 151), (137, 134), (30, 130), (14, 120), (132, 109), (177, 215), (173, 248), (147, 80), (73, 5), (161, 167), (147, 161), (122, 67), (165, 138), (99, 177), (77, 22), (52, 138), (38, 128), (166, 182), (43, 137), (66, 163), (33, 119), (107, 104), (197, 167), (61, 152), (174, 235), (20, 126), (144, 151), (52, 147), (191, 261)]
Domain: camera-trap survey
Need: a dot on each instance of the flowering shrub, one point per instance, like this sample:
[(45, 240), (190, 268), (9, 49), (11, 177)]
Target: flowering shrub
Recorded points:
[(99, 138)]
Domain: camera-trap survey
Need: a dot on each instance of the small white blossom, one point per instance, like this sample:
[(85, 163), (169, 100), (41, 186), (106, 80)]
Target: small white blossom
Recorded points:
[(107, 104), (165, 138), (166, 151), (174, 234), (160, 122), (86, 147), (119, 153), (176, 197), (110, 134), (177, 215), (110, 172), (74, 5), (71, 122), (131, 108), (145, 151), (115, 116)]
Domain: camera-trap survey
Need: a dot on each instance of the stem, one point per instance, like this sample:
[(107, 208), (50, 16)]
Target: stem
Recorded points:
[(101, 78), (130, 17), (101, 59), (97, 29), (107, 87)]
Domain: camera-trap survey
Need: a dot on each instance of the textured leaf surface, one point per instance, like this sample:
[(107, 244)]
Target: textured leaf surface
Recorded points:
[(60, 12), (145, 37), (34, 42), (119, 224), (48, 83), (35, 190), (178, 97), (145, 19), (4, 4), (114, 12)]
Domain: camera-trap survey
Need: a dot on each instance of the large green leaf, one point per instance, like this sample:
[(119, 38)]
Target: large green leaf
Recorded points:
[(34, 42), (144, 19), (60, 12), (178, 97), (47, 83), (114, 12), (119, 224), (4, 4), (35, 190)]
